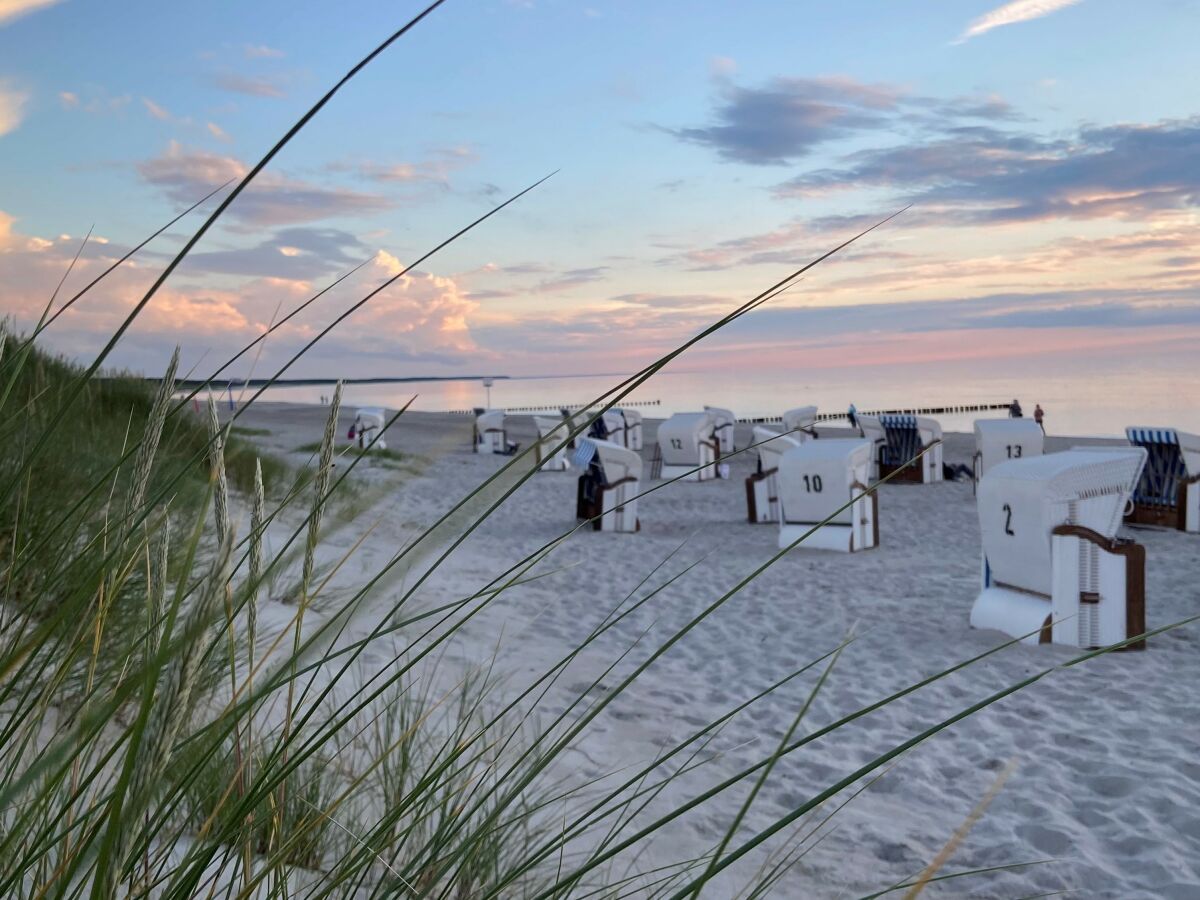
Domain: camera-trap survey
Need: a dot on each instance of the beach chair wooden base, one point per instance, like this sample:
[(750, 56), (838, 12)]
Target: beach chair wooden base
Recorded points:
[(762, 498), (904, 474), (1184, 515), (608, 506)]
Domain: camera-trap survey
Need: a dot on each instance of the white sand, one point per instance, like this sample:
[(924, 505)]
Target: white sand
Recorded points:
[(1107, 781)]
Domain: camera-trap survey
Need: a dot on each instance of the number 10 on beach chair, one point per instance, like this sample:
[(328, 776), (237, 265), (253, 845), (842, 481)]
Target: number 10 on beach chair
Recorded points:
[(818, 478), (1054, 570)]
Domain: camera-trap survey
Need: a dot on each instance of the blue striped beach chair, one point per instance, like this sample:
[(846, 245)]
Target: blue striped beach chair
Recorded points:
[(1168, 493), (906, 437)]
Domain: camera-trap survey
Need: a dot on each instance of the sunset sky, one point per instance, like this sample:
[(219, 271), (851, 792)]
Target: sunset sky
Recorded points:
[(1049, 149)]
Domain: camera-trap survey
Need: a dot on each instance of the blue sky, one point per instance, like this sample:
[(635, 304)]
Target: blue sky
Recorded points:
[(1050, 151)]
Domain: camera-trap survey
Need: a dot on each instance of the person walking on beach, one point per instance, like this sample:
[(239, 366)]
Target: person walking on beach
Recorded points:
[(1037, 416), (1014, 409), (852, 415)]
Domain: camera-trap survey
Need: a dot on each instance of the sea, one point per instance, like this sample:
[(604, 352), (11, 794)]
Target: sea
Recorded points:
[(1095, 398)]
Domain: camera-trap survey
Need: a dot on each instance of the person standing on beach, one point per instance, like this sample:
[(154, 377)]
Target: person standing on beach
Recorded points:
[(1037, 416), (1014, 409), (852, 415)]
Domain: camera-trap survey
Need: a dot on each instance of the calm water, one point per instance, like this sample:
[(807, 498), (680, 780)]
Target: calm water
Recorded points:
[(1099, 399)]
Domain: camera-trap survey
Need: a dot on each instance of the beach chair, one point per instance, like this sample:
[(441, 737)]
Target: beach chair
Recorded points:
[(724, 423), (489, 434), (609, 485), (873, 431), (1054, 570), (816, 479), (906, 436), (633, 428), (1168, 493), (999, 439), (800, 422), (687, 442), (762, 488), (551, 433), (368, 428)]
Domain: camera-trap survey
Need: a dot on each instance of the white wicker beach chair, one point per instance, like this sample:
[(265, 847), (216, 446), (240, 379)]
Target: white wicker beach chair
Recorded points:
[(1168, 492), (724, 423), (609, 486), (800, 422), (999, 439), (552, 433), (762, 488), (609, 427), (687, 442), (490, 436), (906, 437), (818, 478), (368, 428), (1053, 567), (633, 428)]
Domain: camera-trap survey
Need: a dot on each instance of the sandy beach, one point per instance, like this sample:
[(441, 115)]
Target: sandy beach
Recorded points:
[(1105, 794)]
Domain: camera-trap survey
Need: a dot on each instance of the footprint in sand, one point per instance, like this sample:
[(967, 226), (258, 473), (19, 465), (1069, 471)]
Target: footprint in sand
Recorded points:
[(1050, 841)]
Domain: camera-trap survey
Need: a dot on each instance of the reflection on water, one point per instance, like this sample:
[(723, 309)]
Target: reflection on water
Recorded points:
[(1099, 398)]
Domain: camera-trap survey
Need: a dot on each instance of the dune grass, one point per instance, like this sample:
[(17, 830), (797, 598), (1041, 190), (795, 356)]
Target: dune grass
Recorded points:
[(170, 729)]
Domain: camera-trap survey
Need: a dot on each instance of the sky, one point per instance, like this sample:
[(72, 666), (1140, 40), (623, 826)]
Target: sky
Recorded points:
[(1046, 154)]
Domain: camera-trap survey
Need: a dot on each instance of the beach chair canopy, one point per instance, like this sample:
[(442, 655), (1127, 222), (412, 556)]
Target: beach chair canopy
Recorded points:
[(771, 445), (681, 435), (1021, 501), (551, 429), (724, 422), (999, 439), (632, 416), (490, 420), (802, 418), (1172, 457), (816, 478), (369, 417), (617, 462), (872, 429)]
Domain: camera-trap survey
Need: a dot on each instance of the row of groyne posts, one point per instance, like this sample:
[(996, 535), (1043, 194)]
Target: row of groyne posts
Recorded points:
[(821, 417)]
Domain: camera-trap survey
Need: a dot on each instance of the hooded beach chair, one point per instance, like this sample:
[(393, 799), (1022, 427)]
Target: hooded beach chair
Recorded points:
[(609, 485), (800, 422), (999, 439), (490, 436), (906, 437), (724, 423), (1053, 567), (873, 432), (551, 433), (762, 488), (633, 428), (1169, 490), (818, 478), (368, 428), (687, 442)]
